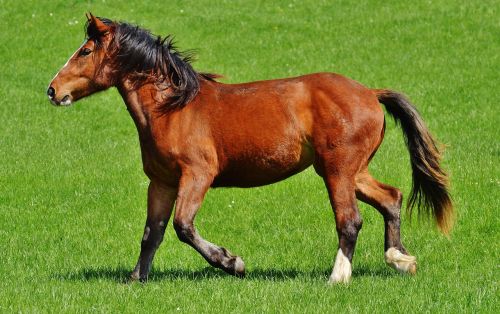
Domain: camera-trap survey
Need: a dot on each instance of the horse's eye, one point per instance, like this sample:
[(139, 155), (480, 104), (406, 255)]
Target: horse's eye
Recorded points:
[(85, 51)]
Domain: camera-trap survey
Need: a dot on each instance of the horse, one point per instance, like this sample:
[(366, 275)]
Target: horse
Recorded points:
[(196, 133)]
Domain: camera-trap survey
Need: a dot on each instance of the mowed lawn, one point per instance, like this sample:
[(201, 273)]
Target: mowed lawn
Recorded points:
[(73, 194)]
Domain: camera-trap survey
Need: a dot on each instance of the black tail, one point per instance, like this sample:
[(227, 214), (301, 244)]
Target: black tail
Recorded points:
[(430, 182)]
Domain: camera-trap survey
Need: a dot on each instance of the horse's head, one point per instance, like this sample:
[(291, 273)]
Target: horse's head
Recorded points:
[(88, 70)]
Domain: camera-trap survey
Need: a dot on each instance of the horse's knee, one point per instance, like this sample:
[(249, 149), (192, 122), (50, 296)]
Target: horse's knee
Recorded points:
[(183, 230)]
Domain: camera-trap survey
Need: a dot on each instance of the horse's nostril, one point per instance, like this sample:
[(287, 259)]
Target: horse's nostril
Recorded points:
[(51, 92)]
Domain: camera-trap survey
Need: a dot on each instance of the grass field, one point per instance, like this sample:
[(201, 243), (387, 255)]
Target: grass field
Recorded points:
[(73, 195)]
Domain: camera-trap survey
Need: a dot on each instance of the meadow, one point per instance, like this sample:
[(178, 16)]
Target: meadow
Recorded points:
[(73, 194)]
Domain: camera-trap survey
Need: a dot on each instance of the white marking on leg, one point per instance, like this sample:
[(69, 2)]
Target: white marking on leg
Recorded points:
[(401, 262), (342, 269), (146, 234)]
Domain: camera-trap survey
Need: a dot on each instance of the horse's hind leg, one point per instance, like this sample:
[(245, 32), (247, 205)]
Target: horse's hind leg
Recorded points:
[(348, 222), (338, 171), (387, 200), (192, 189)]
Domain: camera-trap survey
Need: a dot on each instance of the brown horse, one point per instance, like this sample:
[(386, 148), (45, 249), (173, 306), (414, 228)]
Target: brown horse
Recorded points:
[(196, 133)]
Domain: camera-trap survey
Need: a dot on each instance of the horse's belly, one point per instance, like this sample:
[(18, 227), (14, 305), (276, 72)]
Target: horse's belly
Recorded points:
[(257, 169)]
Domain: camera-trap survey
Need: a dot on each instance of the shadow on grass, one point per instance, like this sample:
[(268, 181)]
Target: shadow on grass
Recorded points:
[(122, 275)]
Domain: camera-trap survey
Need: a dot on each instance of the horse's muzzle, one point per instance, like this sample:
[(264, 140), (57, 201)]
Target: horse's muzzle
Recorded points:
[(65, 101)]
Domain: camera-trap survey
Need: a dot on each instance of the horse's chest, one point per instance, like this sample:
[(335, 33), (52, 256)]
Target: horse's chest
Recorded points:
[(159, 161)]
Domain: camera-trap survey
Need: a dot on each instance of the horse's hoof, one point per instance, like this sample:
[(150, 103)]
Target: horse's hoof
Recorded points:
[(333, 282), (239, 267), (339, 279), (412, 270), (134, 276), (401, 262)]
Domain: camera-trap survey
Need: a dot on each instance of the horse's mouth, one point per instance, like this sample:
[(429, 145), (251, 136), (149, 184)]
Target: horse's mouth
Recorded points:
[(65, 101)]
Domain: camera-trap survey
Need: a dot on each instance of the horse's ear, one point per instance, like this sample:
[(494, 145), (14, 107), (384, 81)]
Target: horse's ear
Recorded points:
[(97, 25)]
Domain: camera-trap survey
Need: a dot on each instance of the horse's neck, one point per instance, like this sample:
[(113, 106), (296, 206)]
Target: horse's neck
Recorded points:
[(139, 104)]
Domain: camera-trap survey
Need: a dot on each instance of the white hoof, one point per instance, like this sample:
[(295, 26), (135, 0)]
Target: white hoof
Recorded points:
[(401, 262), (342, 270), (239, 267), (135, 273)]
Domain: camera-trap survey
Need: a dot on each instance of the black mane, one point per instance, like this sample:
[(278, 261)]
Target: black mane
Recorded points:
[(144, 57)]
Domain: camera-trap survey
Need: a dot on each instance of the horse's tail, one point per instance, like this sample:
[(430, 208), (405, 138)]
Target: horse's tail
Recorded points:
[(430, 182)]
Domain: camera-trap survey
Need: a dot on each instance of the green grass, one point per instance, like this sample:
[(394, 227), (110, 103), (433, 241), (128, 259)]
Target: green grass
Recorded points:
[(72, 191)]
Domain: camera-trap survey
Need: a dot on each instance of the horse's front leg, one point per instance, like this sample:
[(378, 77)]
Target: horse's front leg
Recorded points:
[(192, 188), (160, 203)]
